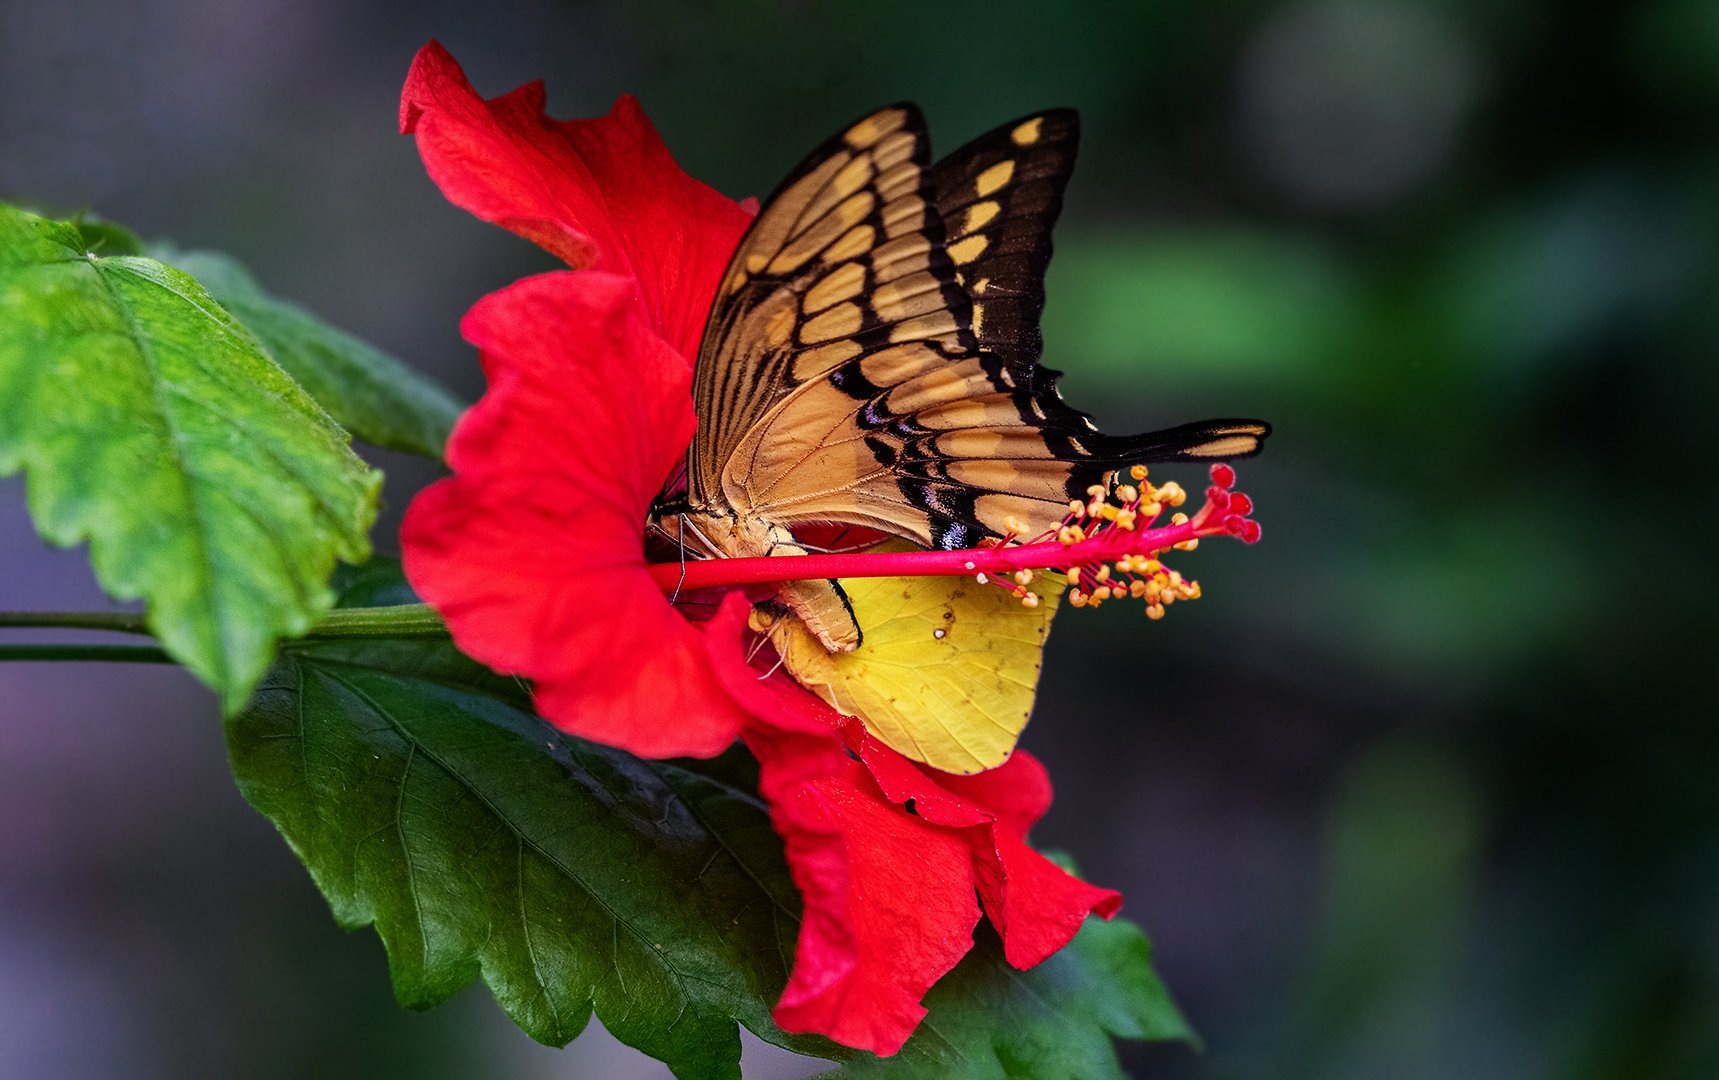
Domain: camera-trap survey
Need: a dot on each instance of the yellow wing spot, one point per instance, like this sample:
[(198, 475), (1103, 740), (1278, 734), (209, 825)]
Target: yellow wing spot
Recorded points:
[(900, 257), (915, 294), (994, 177), (980, 286), (895, 150), (755, 264), (979, 215), (862, 134), (904, 215), (969, 249), (1028, 133), (1234, 446), (856, 241), (874, 127), (889, 367), (926, 326), (978, 320), (813, 363), (840, 284), (852, 177), (780, 326), (836, 322)]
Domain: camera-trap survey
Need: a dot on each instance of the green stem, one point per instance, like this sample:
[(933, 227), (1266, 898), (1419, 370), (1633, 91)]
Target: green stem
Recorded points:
[(124, 622), (130, 654), (401, 621)]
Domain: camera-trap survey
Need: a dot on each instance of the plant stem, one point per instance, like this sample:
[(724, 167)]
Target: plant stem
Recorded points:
[(124, 622), (131, 654), (402, 621)]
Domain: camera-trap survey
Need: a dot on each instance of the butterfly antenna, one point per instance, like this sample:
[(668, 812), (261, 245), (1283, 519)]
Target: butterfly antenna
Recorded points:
[(756, 645)]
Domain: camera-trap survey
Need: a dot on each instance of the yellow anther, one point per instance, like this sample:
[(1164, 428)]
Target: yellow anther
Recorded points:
[(1014, 524), (1193, 590), (1137, 589), (1175, 577), (1103, 573), (1177, 495), (1127, 493), (1179, 519), (1187, 545), (1096, 491), (1031, 600), (1077, 598), (1095, 507), (1109, 511), (1150, 510), (1167, 597), (1023, 577), (1154, 611), (1152, 566), (1101, 593), (982, 579), (1077, 508), (1138, 472), (1125, 519)]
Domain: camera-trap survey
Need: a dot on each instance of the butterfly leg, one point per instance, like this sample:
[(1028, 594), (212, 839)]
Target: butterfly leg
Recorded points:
[(821, 604)]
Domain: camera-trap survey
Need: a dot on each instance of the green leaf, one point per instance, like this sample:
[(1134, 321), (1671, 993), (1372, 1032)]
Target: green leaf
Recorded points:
[(987, 1020), (107, 237), (481, 841), (150, 424), (374, 396)]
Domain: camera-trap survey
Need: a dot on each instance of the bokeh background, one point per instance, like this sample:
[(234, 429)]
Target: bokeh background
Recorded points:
[(1423, 787)]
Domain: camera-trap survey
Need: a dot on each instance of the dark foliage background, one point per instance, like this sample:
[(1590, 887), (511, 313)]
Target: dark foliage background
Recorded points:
[(1422, 788)]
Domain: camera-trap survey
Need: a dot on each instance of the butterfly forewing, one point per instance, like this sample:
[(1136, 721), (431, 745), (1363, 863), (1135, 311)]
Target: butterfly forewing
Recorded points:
[(872, 357), (999, 197), (846, 258)]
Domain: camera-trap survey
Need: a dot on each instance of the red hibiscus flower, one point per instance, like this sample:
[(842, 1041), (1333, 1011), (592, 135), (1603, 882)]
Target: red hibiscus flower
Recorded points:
[(533, 553)]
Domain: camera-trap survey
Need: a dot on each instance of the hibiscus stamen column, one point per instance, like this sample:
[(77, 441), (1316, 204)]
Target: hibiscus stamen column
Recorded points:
[(1105, 546)]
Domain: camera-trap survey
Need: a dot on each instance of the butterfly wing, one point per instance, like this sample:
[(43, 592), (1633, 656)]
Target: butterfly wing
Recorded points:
[(871, 357)]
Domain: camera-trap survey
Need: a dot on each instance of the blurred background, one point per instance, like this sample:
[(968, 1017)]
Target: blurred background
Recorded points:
[(1423, 787)]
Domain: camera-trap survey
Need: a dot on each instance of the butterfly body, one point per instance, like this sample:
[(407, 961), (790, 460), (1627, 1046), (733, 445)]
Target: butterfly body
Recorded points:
[(871, 359)]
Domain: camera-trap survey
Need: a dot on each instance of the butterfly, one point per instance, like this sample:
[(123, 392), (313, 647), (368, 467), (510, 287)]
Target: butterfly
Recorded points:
[(871, 360)]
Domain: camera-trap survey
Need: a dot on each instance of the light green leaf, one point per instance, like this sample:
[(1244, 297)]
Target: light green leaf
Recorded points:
[(150, 424), (480, 841), (374, 396)]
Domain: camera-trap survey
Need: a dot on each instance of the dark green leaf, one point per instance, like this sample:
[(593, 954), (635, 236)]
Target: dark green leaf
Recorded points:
[(107, 237), (377, 583), (205, 480), (481, 841), (376, 397), (1055, 1022)]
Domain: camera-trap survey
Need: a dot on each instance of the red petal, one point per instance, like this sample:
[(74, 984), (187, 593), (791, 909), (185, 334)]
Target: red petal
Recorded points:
[(602, 194), (532, 552), (1035, 905), (889, 897)]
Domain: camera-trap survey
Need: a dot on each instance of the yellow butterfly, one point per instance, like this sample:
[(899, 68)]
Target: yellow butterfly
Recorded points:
[(947, 669), (871, 360)]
